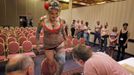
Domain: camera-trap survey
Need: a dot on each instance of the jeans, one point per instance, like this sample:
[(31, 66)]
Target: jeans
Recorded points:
[(72, 31), (120, 53), (97, 36), (86, 36), (104, 43), (79, 34)]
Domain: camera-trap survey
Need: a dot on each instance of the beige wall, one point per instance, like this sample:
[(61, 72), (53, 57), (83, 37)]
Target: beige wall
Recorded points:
[(10, 10), (115, 14)]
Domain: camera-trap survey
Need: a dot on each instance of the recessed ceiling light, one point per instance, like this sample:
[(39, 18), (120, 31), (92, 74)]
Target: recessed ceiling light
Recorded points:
[(101, 2), (82, 3), (75, 2), (65, 0)]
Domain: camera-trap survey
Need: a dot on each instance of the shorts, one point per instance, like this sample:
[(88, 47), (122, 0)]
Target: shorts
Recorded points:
[(59, 56), (112, 46), (51, 48)]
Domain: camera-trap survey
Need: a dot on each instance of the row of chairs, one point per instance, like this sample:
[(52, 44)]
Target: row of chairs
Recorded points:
[(17, 33), (72, 42), (21, 39), (13, 48), (11, 42)]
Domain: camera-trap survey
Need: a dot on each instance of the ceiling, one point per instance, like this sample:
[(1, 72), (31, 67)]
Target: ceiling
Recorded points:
[(95, 1), (80, 3)]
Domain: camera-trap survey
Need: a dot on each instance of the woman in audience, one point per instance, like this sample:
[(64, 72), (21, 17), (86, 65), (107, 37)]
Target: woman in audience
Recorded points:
[(123, 40), (54, 37), (104, 36), (113, 36), (96, 63)]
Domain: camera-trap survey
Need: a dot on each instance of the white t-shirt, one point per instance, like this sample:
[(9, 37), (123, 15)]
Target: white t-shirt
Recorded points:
[(82, 26), (104, 31), (77, 25), (98, 28), (87, 29)]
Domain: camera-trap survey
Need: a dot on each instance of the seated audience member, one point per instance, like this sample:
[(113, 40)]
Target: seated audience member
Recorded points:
[(96, 63), (20, 65)]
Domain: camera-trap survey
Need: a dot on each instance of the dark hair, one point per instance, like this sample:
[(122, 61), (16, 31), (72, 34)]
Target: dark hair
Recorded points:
[(114, 29), (86, 23), (125, 24), (64, 21), (82, 52), (74, 20), (76, 74)]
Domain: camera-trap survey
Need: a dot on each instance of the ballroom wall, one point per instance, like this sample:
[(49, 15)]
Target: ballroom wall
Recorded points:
[(115, 14), (12, 9)]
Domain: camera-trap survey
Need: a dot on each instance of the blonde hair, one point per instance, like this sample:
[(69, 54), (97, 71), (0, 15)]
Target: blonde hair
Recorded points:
[(114, 29)]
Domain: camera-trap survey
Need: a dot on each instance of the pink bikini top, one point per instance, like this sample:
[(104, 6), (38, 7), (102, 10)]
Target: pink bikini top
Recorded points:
[(52, 30)]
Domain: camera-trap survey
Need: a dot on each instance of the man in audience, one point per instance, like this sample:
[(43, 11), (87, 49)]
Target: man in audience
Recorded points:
[(96, 63), (82, 28), (104, 36), (73, 28), (20, 65), (66, 27), (86, 34), (78, 30), (97, 34)]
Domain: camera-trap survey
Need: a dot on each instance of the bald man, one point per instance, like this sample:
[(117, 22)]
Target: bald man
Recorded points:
[(20, 65)]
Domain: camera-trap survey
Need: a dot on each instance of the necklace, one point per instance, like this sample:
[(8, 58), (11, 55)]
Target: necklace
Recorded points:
[(53, 26)]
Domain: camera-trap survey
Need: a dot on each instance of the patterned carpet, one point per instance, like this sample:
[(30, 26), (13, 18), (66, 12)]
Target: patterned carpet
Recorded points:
[(70, 66)]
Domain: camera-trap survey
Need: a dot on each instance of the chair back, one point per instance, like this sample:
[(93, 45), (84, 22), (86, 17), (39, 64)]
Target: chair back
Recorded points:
[(27, 46), (13, 47)]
